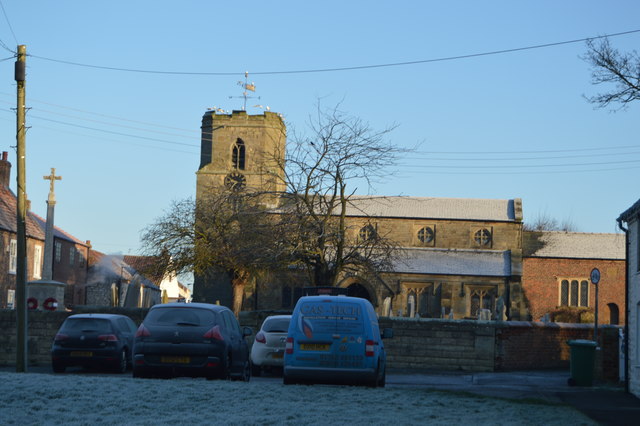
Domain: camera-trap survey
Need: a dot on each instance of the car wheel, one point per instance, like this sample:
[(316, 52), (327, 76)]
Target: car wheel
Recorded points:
[(58, 367), (225, 372), (121, 364), (137, 372), (256, 370), (245, 376), (288, 380), (383, 380)]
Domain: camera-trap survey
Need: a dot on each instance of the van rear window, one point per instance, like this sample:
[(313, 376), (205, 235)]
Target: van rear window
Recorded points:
[(322, 317)]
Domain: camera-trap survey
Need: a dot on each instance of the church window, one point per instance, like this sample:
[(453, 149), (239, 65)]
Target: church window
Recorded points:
[(367, 233), (481, 299), (238, 155), (482, 237), (574, 292), (426, 235)]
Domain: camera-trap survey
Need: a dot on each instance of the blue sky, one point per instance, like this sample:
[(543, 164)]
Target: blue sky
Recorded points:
[(512, 125)]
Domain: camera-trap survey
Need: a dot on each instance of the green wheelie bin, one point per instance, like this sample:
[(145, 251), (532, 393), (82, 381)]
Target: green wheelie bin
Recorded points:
[(583, 354)]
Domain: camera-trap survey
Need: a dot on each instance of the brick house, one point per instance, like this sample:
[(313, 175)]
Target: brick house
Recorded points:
[(556, 269), (70, 254)]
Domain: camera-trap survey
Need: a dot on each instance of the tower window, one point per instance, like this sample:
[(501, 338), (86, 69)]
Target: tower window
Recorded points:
[(367, 233), (238, 155)]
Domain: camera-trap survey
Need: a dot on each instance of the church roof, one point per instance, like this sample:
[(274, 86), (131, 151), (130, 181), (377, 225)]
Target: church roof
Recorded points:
[(573, 245), (492, 263), (435, 208)]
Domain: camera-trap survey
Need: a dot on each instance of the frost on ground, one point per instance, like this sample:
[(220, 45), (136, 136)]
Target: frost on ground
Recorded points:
[(34, 399)]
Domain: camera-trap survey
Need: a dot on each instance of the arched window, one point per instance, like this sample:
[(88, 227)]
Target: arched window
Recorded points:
[(238, 155)]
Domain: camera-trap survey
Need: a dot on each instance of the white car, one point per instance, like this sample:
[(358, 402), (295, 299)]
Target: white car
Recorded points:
[(268, 347)]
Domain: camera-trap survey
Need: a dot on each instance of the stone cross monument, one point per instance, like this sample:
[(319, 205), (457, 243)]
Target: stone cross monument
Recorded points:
[(47, 273)]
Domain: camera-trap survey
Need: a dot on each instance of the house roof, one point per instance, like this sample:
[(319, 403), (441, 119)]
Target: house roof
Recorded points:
[(35, 224), (110, 267), (454, 262), (573, 245), (631, 213), (435, 208)]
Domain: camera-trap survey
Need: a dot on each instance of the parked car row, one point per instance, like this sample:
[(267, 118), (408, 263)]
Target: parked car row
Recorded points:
[(326, 339)]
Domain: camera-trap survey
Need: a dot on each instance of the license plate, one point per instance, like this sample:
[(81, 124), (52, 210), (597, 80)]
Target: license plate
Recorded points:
[(278, 355), (81, 353), (175, 359), (314, 346)]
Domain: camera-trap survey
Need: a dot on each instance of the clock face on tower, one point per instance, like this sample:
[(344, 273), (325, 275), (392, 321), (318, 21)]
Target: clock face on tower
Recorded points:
[(235, 181)]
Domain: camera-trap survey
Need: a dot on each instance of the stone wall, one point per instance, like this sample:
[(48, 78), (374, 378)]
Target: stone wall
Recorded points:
[(417, 345)]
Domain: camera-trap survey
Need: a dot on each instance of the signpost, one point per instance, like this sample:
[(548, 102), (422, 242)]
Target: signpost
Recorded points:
[(595, 279)]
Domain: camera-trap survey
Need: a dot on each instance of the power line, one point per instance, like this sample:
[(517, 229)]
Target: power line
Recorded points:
[(6, 17), (335, 69)]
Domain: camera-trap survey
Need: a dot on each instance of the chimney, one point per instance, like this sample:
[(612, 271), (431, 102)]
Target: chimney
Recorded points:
[(5, 170)]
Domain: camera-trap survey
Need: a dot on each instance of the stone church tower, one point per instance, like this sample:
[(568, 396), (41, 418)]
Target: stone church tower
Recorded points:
[(242, 152)]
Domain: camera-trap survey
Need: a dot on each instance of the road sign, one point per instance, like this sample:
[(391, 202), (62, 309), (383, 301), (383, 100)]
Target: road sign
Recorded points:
[(595, 275)]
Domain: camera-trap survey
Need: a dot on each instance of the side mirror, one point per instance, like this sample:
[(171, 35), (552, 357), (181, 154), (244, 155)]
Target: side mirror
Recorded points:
[(247, 331), (387, 333)]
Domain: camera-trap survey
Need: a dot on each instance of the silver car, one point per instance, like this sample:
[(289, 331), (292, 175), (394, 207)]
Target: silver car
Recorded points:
[(267, 351)]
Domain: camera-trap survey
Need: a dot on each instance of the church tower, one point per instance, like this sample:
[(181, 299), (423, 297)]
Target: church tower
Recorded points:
[(241, 152)]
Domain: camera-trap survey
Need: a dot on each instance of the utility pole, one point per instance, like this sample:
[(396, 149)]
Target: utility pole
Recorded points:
[(21, 264)]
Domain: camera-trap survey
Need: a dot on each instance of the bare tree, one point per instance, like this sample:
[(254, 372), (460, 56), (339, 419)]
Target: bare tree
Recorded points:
[(321, 170), (225, 231), (545, 222), (609, 66)]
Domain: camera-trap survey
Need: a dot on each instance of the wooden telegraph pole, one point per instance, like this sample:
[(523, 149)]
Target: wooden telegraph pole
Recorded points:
[(21, 264)]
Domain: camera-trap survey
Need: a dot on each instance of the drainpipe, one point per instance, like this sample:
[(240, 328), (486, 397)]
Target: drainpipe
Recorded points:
[(626, 304)]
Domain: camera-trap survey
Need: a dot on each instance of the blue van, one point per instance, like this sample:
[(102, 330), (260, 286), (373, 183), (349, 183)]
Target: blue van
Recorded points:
[(335, 339)]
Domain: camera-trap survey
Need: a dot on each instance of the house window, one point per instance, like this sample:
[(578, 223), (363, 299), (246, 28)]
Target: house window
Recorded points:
[(72, 255), (482, 237), (11, 299), (58, 251), (574, 292), (13, 256), (426, 235), (37, 262), (238, 155), (80, 259), (367, 233)]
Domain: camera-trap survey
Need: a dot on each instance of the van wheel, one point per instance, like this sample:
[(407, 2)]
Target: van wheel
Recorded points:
[(287, 380), (383, 380), (256, 371)]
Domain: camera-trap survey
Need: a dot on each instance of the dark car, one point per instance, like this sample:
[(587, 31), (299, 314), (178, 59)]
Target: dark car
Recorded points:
[(94, 340), (191, 339)]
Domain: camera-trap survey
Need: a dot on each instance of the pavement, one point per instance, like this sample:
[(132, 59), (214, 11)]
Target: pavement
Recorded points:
[(605, 403)]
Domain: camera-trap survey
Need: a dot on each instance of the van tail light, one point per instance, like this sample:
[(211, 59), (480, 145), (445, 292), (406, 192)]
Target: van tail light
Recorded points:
[(369, 347), (60, 337), (142, 331), (288, 347), (108, 338), (261, 338), (214, 333)]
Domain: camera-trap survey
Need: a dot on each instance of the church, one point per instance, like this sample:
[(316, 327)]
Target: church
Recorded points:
[(461, 258)]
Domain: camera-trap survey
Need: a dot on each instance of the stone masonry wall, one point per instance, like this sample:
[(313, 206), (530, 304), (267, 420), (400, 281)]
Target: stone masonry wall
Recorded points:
[(417, 344)]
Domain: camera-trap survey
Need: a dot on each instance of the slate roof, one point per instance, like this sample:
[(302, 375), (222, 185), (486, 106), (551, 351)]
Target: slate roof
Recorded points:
[(492, 263), (435, 208), (574, 245)]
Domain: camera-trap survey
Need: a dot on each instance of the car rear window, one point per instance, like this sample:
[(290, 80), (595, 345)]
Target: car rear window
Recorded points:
[(335, 317), (276, 325), (180, 316), (87, 324)]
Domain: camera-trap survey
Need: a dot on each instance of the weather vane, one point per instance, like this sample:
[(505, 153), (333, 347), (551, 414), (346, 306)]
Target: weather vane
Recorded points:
[(247, 87)]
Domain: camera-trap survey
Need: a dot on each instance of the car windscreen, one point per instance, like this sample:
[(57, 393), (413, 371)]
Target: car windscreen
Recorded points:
[(334, 317), (98, 325), (180, 316), (276, 325)]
